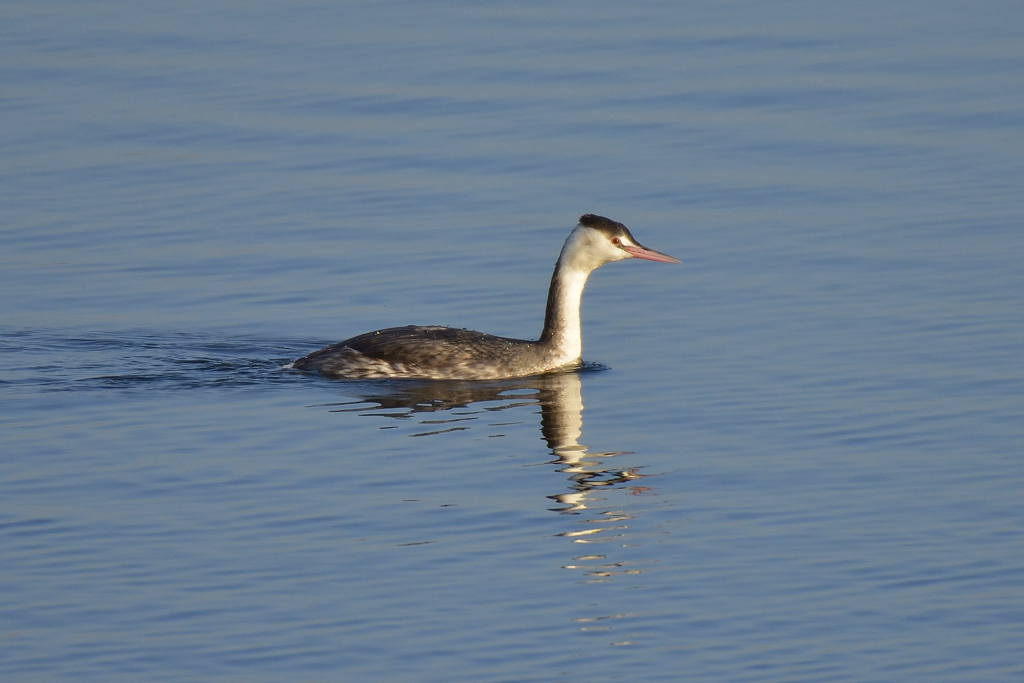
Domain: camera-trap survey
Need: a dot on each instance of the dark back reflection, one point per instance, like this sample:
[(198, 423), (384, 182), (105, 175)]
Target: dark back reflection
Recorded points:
[(457, 405)]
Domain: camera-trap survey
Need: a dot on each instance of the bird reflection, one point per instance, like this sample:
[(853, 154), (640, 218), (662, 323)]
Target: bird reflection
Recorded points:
[(559, 395), (561, 424)]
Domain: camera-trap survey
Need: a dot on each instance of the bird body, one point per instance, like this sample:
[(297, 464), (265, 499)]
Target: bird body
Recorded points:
[(434, 352)]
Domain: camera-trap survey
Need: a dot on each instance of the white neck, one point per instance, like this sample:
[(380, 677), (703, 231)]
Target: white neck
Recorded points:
[(562, 320)]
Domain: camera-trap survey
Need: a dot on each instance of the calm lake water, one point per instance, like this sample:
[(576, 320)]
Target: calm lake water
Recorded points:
[(798, 456)]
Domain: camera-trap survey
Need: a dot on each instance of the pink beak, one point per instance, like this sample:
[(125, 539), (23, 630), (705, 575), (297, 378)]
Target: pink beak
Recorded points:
[(649, 254)]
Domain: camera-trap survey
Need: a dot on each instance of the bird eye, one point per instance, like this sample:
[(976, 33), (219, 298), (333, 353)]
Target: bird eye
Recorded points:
[(616, 241)]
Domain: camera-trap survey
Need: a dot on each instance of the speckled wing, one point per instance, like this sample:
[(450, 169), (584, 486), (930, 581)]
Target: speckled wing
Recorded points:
[(434, 346), (439, 352)]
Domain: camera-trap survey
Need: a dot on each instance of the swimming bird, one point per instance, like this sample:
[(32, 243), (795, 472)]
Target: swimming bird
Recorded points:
[(416, 352)]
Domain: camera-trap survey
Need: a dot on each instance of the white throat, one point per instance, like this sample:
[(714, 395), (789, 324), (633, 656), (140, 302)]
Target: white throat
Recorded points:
[(567, 291)]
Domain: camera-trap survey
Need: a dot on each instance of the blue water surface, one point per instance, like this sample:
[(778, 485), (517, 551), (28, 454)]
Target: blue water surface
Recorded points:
[(795, 457)]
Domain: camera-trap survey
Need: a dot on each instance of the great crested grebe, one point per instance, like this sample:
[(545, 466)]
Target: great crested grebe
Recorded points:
[(415, 352)]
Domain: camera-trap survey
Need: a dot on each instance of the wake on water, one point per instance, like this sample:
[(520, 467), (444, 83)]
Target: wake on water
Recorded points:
[(50, 360)]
